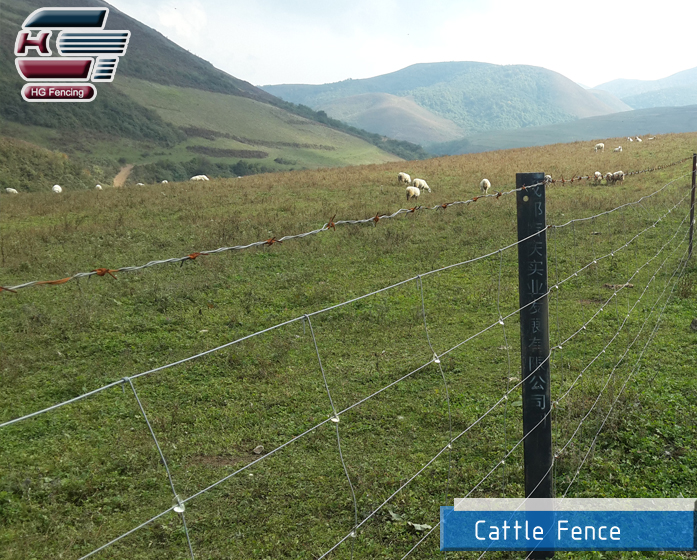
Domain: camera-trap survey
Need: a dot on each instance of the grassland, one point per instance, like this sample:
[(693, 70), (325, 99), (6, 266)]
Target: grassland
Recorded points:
[(75, 478)]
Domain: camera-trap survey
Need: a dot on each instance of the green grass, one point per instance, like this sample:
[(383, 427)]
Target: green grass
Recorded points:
[(74, 478)]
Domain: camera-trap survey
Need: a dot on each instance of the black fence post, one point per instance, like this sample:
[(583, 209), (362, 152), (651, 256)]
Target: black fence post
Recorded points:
[(692, 203), (534, 338)]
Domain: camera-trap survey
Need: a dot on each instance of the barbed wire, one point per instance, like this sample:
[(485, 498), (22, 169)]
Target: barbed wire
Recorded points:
[(331, 224)]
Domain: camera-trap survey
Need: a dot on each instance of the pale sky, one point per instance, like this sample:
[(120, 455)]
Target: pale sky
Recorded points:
[(318, 41)]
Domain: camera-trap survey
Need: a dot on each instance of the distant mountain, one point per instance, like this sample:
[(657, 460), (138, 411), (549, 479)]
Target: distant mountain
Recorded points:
[(672, 91), (642, 122), (618, 105), (396, 117), (213, 129), (474, 95)]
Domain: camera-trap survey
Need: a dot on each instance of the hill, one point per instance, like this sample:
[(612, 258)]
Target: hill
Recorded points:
[(396, 117), (116, 129), (661, 120), (672, 91), (475, 96)]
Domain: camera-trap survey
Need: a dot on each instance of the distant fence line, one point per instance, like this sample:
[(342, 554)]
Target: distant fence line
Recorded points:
[(331, 224)]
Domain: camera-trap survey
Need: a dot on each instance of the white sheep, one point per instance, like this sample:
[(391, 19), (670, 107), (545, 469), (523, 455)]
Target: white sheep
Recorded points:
[(484, 185), (421, 184), (652, 138), (413, 192), (618, 176), (600, 146), (164, 181), (630, 138), (638, 139), (199, 178), (608, 178), (98, 187), (11, 191), (617, 149), (139, 184), (57, 189), (547, 180), (598, 176), (403, 178)]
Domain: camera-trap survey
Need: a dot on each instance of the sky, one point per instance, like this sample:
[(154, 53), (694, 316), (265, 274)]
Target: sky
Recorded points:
[(318, 41)]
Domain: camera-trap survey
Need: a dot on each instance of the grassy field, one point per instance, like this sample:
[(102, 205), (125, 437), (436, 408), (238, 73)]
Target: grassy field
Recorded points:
[(74, 478)]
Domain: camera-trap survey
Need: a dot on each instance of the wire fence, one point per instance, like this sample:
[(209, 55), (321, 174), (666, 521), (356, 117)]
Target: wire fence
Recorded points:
[(331, 224), (663, 239)]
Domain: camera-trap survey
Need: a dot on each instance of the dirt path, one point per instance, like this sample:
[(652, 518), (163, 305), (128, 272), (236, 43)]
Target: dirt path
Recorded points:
[(122, 175)]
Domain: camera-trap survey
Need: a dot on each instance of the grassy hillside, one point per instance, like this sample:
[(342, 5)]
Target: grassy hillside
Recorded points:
[(642, 122), (474, 95), (396, 117), (116, 127), (75, 478), (26, 167)]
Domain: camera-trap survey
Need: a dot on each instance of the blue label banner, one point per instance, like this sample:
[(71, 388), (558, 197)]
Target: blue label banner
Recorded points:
[(571, 526)]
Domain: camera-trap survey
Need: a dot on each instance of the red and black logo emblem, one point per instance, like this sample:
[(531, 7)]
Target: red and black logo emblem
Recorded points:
[(87, 53)]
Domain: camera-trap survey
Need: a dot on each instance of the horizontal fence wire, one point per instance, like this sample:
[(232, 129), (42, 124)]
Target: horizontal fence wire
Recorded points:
[(331, 224), (435, 358), (681, 266)]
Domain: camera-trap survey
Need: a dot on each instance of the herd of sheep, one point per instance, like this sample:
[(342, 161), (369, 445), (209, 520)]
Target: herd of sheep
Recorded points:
[(58, 189)]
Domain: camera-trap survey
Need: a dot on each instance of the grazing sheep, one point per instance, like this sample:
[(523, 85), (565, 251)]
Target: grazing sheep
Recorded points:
[(199, 178), (421, 184), (139, 184), (11, 191), (57, 189), (164, 181), (403, 178), (600, 146), (547, 180), (638, 139), (484, 185), (617, 149), (608, 178), (597, 176), (652, 138), (618, 176), (630, 139), (98, 187), (413, 192)]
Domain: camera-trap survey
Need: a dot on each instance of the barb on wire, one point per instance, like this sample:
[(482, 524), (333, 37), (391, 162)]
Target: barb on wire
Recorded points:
[(331, 224)]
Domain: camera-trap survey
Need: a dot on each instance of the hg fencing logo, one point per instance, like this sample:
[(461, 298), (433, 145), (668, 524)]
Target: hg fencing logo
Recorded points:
[(87, 52)]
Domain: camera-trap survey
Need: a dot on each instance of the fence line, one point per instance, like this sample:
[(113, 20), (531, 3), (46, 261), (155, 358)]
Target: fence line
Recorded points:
[(327, 226), (326, 309), (435, 359), (178, 507), (682, 265)]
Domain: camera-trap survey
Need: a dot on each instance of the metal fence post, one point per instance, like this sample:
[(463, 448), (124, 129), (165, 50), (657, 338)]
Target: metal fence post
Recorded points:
[(534, 338), (692, 203)]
